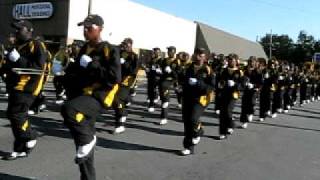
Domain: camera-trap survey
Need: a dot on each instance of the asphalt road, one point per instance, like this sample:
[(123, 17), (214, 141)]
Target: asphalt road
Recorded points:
[(285, 148)]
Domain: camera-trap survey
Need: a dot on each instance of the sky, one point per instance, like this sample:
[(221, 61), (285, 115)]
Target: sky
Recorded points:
[(250, 19)]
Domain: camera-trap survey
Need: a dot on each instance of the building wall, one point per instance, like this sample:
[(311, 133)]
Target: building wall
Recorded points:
[(148, 27), (56, 25)]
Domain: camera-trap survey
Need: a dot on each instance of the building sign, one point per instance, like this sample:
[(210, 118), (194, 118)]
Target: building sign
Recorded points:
[(33, 10), (317, 57)]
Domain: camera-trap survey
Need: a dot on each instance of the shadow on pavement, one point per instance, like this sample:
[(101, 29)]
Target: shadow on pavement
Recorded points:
[(304, 116), (11, 177), (111, 144), (286, 126), (307, 111)]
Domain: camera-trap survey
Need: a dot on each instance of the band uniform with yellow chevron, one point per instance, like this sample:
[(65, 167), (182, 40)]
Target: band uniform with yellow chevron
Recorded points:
[(34, 55)]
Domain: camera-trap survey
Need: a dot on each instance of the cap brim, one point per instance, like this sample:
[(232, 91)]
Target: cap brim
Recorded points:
[(84, 23), (16, 25)]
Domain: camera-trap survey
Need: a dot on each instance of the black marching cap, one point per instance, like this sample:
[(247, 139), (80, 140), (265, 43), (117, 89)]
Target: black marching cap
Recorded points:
[(91, 20), (171, 48), (21, 24), (200, 50)]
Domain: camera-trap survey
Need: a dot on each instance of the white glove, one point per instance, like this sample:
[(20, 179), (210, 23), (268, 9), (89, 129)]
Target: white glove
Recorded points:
[(147, 69), (281, 78), (250, 85), (57, 68), (168, 69), (307, 80), (71, 60), (153, 68), (193, 81), (5, 52), (85, 60), (267, 76), (14, 55), (159, 71), (231, 83), (122, 61)]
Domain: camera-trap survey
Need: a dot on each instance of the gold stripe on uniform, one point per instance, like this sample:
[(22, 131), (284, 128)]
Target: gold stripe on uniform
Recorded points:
[(206, 99), (110, 96), (89, 50), (89, 90), (106, 52), (40, 84), (31, 46), (25, 125), (22, 83), (125, 82)]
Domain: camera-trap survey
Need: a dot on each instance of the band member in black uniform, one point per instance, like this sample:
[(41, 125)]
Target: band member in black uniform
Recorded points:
[(168, 77), (296, 83), (278, 103), (152, 68), (185, 62), (95, 76), (218, 66), (177, 83), (197, 94), (251, 80), (129, 65), (229, 80), (289, 86), (24, 88), (267, 89)]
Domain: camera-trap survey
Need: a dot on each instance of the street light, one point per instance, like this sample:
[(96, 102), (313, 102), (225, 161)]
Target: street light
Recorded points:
[(89, 7), (270, 45)]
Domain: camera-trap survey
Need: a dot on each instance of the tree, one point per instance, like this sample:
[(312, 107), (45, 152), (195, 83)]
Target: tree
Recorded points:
[(284, 48)]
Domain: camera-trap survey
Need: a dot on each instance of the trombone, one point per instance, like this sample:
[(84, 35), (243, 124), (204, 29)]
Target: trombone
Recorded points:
[(30, 71)]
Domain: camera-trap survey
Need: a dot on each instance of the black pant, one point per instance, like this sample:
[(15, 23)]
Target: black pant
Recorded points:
[(191, 112), (287, 98), (247, 104), (312, 91), (152, 90), (58, 84), (165, 87), (294, 95), (266, 96), (318, 90), (17, 112), (80, 116), (178, 91), (303, 93), (226, 111), (277, 100), (119, 104), (39, 100), (218, 100)]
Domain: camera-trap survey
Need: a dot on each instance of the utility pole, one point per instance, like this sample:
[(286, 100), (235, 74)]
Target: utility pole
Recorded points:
[(270, 46), (89, 7)]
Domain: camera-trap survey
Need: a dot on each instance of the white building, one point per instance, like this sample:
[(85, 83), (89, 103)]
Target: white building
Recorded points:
[(148, 27)]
